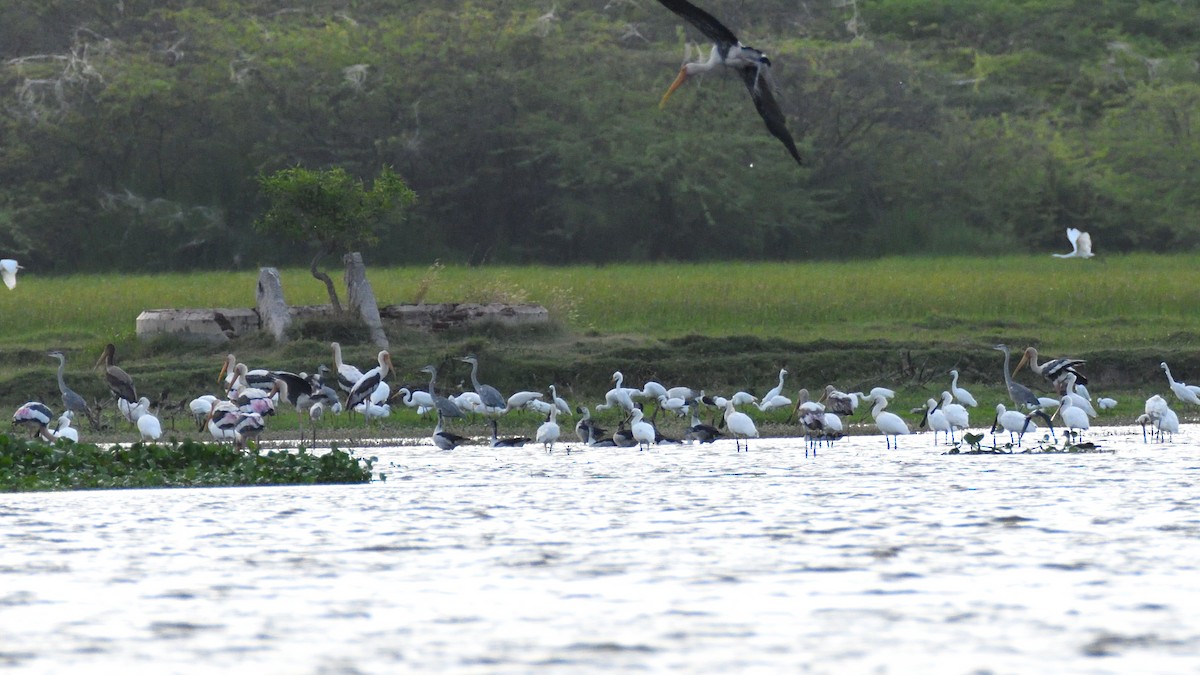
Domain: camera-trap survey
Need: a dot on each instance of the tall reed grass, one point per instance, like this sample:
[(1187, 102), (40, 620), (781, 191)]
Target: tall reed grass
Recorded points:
[(1130, 300)]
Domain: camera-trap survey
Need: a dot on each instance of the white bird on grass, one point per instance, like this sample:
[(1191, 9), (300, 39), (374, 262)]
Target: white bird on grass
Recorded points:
[(8, 271), (149, 428), (65, 430), (1182, 391), (1081, 245), (961, 395)]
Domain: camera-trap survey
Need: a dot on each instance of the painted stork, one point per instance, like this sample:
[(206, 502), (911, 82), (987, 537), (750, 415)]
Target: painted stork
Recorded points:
[(347, 375), (34, 414), (362, 390), (751, 64), (119, 382), (1054, 370), (1019, 393)]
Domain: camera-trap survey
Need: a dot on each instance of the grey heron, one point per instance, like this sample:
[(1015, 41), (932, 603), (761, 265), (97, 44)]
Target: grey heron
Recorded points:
[(493, 401), (71, 400), (444, 406)]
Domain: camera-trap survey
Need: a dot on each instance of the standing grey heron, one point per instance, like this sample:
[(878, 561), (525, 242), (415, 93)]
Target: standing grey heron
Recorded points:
[(1019, 393), (752, 65), (71, 400), (444, 406), (493, 400)]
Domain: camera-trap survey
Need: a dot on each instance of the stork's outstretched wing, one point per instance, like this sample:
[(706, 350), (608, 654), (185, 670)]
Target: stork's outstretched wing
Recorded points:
[(768, 108), (703, 21)]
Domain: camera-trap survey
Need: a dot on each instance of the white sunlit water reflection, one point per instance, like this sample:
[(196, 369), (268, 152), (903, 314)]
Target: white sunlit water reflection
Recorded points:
[(681, 558)]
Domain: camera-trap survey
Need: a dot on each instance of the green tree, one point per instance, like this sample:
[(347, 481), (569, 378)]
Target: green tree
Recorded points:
[(331, 209)]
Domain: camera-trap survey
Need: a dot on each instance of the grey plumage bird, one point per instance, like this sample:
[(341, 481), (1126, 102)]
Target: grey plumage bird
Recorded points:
[(491, 397), (71, 400)]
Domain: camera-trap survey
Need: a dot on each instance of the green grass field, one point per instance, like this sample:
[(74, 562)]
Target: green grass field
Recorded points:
[(901, 323), (1072, 305)]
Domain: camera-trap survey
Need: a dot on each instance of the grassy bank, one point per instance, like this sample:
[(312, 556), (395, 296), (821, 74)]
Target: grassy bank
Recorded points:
[(901, 323)]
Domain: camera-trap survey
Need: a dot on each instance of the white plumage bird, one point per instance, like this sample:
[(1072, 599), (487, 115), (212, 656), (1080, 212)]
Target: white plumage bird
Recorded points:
[(961, 395), (1081, 245), (8, 271), (891, 425), (740, 425)]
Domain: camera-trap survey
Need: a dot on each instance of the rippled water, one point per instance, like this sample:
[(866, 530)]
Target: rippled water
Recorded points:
[(684, 558)]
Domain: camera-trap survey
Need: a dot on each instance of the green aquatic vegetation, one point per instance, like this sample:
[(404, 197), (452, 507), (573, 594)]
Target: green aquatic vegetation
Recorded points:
[(31, 465)]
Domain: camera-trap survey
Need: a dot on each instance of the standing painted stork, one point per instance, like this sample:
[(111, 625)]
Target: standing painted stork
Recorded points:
[(752, 65), (1081, 245), (34, 414), (8, 271), (372, 379), (258, 377), (71, 400), (119, 382), (493, 401), (1054, 370), (1019, 393), (347, 375)]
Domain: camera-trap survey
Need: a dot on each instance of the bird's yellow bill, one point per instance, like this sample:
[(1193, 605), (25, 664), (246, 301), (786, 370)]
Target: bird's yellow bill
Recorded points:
[(1055, 415), (1020, 364), (224, 368), (674, 85)]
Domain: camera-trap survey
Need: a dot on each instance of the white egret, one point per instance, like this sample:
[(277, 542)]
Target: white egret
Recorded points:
[(961, 395), (149, 428), (8, 272), (1181, 390), (1081, 245), (65, 430)]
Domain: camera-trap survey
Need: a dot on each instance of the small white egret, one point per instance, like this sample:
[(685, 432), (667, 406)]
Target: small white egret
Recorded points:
[(8, 271), (1081, 245), (961, 395), (1181, 390)]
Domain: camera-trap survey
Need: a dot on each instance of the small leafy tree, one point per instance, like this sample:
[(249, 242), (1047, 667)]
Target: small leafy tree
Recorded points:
[(330, 208)]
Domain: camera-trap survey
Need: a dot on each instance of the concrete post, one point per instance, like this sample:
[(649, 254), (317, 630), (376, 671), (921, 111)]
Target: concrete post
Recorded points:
[(272, 308), (361, 298)]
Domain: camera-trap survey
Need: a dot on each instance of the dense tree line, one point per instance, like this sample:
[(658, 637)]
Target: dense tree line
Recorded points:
[(132, 133)]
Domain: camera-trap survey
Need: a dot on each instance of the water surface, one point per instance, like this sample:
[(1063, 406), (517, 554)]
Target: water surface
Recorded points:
[(679, 558)]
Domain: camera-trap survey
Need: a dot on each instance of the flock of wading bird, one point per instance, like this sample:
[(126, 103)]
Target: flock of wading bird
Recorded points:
[(250, 397)]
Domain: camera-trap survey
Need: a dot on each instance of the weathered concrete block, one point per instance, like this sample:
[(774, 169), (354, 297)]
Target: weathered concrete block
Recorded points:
[(211, 326)]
